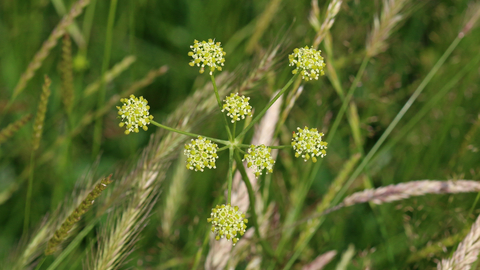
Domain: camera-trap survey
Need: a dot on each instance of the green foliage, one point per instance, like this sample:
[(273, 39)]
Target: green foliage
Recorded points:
[(437, 138)]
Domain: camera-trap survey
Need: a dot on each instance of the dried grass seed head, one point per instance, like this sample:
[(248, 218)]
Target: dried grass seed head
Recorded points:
[(134, 113), (207, 54), (227, 222), (201, 153), (237, 107), (308, 143), (308, 62), (259, 157)]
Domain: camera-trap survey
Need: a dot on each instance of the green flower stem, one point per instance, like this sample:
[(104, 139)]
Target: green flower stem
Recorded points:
[(188, 133), (241, 145), (260, 115), (281, 147), (230, 173), (230, 137), (234, 127), (251, 196), (223, 148)]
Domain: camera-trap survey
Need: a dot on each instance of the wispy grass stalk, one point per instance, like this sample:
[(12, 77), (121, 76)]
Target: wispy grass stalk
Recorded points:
[(73, 30), (174, 197), (83, 123), (62, 233), (321, 261), (466, 253), (57, 33), (110, 75), (406, 190), (437, 247), (121, 232), (383, 26), (332, 11), (145, 179), (66, 69), (11, 129), (29, 250), (263, 22), (37, 135)]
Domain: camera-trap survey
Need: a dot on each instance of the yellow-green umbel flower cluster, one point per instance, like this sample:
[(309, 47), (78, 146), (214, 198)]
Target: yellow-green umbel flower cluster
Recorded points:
[(201, 153), (259, 157), (134, 114), (207, 54), (237, 107), (308, 143), (227, 222), (308, 61)]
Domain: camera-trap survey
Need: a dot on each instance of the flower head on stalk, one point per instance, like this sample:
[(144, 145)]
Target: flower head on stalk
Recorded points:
[(259, 157), (201, 153), (134, 113), (237, 107), (308, 143), (227, 222), (308, 61), (207, 54)]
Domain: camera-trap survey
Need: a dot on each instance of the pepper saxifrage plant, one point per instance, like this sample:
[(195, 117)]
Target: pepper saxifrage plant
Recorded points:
[(228, 221)]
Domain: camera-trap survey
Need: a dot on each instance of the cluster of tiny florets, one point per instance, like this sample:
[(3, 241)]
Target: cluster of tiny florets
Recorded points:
[(259, 157), (237, 107), (201, 153), (227, 222), (308, 143), (134, 113), (207, 54), (308, 61)]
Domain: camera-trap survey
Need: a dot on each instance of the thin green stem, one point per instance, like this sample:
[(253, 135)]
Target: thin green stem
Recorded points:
[(260, 115), (234, 127), (303, 189), (75, 242), (230, 175), (219, 101), (223, 148), (88, 23), (251, 196), (397, 119), (429, 105), (188, 133), (39, 265), (198, 255), (241, 145), (28, 202), (97, 132)]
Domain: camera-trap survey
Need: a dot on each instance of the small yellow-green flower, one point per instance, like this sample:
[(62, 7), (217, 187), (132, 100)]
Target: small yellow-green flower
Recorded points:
[(259, 157), (201, 153), (134, 114), (308, 143), (227, 222), (207, 54), (237, 107), (308, 61)]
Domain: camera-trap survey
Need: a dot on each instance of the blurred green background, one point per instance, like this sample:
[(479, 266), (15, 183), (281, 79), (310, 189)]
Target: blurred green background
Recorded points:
[(444, 144)]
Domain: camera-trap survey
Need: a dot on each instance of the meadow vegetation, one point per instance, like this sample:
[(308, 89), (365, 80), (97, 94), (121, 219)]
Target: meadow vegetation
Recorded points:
[(390, 109)]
